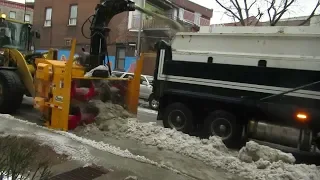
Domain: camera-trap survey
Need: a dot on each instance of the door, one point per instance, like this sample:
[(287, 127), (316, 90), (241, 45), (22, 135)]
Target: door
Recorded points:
[(120, 58)]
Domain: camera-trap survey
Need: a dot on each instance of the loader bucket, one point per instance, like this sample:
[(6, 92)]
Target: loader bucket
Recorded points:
[(68, 99)]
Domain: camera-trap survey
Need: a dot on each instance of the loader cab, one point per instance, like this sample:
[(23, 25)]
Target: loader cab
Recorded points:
[(17, 35)]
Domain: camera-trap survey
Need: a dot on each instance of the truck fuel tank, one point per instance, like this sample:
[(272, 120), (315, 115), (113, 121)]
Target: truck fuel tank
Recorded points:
[(273, 133)]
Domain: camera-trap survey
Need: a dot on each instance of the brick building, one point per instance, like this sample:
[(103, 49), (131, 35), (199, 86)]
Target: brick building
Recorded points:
[(60, 20), (16, 11)]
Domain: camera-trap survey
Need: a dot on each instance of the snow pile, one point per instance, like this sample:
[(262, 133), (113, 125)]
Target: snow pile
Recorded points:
[(254, 152), (62, 146), (112, 117), (10, 178), (253, 161), (214, 153), (62, 143)]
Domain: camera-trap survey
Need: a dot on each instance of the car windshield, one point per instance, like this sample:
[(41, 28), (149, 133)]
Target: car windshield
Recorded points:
[(13, 35), (150, 79), (117, 74)]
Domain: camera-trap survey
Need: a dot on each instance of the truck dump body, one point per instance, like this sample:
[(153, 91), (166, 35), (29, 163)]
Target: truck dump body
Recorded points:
[(244, 65)]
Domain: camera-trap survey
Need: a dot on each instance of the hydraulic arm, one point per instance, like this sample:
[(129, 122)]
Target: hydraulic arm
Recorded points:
[(104, 12)]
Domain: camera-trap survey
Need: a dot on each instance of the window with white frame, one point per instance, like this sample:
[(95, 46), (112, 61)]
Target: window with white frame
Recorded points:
[(73, 15), (27, 18), (12, 15), (48, 17), (67, 42), (181, 13), (197, 18)]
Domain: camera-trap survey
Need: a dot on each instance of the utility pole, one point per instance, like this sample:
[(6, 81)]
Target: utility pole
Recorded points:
[(25, 10), (139, 35)]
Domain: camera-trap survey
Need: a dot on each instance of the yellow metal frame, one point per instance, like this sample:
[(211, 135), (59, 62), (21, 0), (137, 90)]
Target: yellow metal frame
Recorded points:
[(55, 77)]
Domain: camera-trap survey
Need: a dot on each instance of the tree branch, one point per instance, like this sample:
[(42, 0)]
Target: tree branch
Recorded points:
[(238, 7), (269, 9), (287, 4), (311, 15), (253, 3), (229, 10)]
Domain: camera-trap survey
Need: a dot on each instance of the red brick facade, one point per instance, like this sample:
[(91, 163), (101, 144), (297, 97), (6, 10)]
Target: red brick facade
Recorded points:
[(60, 32), (57, 35)]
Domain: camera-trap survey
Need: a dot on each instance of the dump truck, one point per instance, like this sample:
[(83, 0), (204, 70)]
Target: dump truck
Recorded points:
[(242, 82)]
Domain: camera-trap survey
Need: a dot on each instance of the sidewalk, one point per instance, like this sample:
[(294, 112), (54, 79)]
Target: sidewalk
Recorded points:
[(84, 152)]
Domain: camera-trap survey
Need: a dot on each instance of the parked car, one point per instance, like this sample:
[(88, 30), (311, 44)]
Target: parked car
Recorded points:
[(146, 83)]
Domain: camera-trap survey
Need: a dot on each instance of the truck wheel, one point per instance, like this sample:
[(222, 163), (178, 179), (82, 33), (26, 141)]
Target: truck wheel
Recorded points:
[(153, 103), (11, 92), (178, 116), (224, 125)]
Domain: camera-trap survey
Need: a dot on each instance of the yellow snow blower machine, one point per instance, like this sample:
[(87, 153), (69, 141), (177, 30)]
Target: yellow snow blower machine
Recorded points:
[(58, 87)]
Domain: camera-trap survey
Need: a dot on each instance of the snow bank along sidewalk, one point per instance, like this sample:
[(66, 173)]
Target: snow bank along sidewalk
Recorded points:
[(253, 161), (64, 143)]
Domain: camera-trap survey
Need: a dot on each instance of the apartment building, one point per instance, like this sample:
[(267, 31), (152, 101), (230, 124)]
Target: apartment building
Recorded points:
[(59, 21), (16, 11)]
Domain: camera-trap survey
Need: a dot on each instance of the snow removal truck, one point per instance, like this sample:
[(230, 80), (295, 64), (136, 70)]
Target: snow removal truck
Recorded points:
[(58, 87), (242, 82)]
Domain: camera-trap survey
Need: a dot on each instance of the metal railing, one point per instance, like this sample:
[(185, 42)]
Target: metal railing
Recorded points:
[(151, 23), (156, 23)]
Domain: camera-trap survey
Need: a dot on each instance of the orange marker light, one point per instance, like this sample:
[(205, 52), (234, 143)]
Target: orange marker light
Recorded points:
[(302, 116)]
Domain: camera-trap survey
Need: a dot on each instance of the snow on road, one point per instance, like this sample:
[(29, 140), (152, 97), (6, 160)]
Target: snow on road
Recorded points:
[(253, 161), (64, 142), (141, 109)]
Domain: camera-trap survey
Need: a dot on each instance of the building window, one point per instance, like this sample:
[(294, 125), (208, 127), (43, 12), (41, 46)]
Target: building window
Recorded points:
[(68, 42), (47, 21), (197, 18), (181, 13), (73, 15), (121, 55), (27, 18), (12, 15)]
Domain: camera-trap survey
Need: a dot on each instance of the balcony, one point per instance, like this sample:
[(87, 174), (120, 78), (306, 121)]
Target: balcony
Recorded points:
[(187, 18), (29, 3), (191, 18)]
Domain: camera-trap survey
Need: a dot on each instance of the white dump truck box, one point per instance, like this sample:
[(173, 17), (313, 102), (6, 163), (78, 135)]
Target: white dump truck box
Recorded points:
[(243, 45)]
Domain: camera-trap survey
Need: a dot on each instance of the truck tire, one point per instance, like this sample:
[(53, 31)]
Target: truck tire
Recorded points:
[(153, 103), (224, 124), (11, 92), (178, 116)]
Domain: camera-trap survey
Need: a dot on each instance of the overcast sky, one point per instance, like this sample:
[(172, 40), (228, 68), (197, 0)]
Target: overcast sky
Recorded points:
[(301, 8)]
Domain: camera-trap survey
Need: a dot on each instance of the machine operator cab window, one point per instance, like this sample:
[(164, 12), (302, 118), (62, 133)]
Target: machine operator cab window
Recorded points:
[(13, 34), (4, 37)]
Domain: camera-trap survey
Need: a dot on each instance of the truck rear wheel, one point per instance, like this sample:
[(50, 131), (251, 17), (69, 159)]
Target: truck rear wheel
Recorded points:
[(11, 92), (223, 124), (178, 116)]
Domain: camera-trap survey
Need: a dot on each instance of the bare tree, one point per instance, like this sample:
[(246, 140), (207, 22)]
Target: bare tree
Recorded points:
[(18, 160), (243, 10)]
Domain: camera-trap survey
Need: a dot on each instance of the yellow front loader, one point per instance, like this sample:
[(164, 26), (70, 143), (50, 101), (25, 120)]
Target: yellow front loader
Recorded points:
[(16, 61), (53, 83)]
